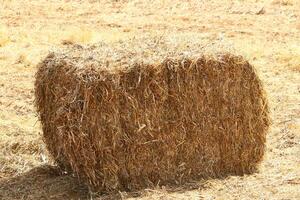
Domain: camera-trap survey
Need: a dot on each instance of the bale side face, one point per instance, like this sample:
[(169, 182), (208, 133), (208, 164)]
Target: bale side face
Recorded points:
[(166, 123)]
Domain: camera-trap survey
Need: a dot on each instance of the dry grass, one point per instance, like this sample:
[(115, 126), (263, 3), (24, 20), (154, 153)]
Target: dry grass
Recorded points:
[(77, 35), (285, 2), (269, 41), (4, 38)]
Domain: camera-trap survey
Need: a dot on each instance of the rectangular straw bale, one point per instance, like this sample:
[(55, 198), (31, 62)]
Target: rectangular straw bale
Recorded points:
[(147, 112)]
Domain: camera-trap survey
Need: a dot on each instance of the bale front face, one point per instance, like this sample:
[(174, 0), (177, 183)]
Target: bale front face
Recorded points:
[(144, 124)]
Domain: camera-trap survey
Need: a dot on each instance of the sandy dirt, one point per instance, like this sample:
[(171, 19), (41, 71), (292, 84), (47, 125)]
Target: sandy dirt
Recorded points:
[(266, 32)]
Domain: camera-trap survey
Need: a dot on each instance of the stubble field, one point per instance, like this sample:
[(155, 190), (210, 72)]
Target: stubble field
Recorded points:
[(266, 32)]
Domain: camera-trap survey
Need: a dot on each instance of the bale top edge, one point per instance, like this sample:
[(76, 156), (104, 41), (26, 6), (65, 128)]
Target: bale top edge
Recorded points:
[(148, 51)]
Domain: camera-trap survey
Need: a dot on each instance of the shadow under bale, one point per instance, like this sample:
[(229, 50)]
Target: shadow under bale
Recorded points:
[(44, 182), (47, 182), (150, 112)]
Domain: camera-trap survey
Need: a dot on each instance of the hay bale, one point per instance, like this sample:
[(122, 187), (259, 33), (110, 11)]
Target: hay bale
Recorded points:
[(142, 113)]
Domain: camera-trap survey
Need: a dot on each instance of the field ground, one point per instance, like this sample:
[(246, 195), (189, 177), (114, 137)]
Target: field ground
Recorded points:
[(266, 32)]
